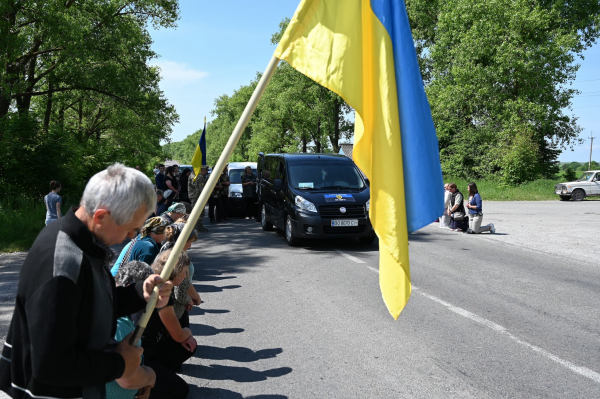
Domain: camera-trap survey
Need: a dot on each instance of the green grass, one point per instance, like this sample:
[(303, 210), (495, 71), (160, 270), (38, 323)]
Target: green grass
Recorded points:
[(537, 190), (21, 220)]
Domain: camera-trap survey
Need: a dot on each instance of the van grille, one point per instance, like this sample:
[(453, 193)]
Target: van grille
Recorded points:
[(344, 230), (333, 211)]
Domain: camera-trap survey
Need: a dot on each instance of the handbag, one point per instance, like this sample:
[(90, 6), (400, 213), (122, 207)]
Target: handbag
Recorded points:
[(458, 216)]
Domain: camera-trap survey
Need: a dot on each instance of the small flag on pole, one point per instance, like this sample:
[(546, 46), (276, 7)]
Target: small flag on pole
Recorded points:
[(363, 50), (199, 158)]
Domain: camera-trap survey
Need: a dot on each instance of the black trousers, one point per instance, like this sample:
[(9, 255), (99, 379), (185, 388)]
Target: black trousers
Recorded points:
[(168, 353), (215, 204), (249, 205), (168, 384), (224, 209)]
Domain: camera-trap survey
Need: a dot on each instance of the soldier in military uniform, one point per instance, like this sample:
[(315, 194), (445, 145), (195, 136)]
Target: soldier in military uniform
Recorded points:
[(224, 181), (194, 190)]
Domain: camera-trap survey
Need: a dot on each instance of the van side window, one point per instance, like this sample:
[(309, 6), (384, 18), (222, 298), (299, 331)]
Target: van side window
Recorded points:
[(281, 172), (267, 174)]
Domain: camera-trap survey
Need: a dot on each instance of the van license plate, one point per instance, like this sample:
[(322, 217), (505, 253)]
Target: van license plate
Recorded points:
[(344, 223)]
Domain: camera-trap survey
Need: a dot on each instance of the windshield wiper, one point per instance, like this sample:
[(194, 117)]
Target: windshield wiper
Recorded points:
[(338, 187), (305, 188)]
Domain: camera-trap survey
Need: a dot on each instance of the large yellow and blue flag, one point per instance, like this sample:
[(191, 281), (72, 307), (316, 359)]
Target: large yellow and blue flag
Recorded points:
[(363, 50), (199, 158)]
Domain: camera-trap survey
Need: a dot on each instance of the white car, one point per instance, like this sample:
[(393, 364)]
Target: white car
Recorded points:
[(586, 186)]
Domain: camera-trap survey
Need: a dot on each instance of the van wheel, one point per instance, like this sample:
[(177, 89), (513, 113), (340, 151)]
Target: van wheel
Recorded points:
[(578, 195), (366, 240), (289, 233), (266, 226)]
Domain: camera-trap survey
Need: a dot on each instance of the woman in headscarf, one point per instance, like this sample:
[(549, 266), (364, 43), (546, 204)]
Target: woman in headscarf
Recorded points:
[(147, 246), (152, 235), (174, 212), (186, 295)]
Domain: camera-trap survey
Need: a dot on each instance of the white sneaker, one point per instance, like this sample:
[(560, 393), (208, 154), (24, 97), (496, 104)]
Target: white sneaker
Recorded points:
[(247, 218), (492, 228)]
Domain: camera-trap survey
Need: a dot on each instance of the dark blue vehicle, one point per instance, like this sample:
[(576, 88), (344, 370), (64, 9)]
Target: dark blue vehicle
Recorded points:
[(313, 196)]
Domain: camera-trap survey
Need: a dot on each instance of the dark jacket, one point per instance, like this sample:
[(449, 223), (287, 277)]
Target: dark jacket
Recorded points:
[(65, 315), (160, 182)]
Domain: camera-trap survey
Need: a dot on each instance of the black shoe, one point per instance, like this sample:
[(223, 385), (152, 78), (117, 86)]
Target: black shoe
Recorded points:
[(212, 221), (469, 231)]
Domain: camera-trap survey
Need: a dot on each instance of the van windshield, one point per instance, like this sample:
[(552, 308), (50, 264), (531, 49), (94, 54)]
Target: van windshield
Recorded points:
[(315, 175), (235, 175)]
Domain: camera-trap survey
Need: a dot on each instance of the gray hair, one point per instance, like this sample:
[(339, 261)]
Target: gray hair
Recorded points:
[(121, 190), (132, 272)]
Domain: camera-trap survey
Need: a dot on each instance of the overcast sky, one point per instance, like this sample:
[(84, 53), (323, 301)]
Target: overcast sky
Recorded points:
[(221, 45)]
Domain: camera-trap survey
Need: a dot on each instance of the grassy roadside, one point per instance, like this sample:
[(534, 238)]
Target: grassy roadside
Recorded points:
[(21, 220), (537, 190)]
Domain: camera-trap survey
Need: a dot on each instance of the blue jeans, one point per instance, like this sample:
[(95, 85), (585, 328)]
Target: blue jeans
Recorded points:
[(48, 221)]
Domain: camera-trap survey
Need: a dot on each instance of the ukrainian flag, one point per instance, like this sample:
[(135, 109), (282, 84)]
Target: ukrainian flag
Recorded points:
[(199, 158), (363, 50)]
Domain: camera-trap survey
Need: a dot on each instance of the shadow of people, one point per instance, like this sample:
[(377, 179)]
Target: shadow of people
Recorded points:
[(238, 374), (220, 393), (212, 288), (197, 311), (204, 330), (236, 353)]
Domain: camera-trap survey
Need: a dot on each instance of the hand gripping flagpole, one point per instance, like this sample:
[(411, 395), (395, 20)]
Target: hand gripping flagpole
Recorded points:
[(201, 203)]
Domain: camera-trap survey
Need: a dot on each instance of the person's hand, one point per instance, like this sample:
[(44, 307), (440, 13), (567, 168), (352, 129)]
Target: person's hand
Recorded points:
[(197, 302), (164, 291), (143, 393), (131, 355), (189, 306), (190, 343)]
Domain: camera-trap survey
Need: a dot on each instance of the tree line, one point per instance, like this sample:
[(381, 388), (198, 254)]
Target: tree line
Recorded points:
[(77, 91), (497, 74)]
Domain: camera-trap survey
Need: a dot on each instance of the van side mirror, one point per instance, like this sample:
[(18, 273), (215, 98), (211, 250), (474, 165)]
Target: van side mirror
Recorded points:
[(277, 185), (368, 182)]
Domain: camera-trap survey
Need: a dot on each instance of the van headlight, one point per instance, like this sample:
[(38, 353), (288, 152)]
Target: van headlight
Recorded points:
[(235, 195), (368, 204), (304, 204)]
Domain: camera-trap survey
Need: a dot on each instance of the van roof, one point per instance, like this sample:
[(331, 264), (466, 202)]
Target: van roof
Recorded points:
[(301, 156), (241, 165)]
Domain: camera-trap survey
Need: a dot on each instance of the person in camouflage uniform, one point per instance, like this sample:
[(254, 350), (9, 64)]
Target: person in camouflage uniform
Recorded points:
[(224, 181), (194, 190)]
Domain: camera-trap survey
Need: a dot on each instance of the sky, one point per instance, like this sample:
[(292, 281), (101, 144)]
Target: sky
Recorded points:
[(219, 46)]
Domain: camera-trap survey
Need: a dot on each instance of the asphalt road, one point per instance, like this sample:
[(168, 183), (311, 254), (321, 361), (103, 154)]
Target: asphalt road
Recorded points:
[(511, 315)]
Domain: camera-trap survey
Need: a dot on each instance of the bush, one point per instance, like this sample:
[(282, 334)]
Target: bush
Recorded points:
[(569, 174)]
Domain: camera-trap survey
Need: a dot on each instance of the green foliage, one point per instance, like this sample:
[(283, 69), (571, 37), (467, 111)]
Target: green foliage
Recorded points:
[(497, 77), (569, 174), (76, 90)]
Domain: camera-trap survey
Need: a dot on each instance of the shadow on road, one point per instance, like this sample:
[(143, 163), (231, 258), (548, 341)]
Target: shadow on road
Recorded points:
[(204, 330), (236, 353), (220, 393), (238, 374)]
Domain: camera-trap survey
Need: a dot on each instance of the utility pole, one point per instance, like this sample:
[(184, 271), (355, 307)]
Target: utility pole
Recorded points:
[(591, 144)]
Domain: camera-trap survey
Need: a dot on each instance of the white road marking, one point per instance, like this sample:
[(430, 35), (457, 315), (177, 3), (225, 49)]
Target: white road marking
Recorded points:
[(352, 258), (583, 371)]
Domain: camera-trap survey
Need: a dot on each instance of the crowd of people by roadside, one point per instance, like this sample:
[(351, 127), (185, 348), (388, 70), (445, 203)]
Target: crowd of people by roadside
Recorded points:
[(75, 315), (455, 216)]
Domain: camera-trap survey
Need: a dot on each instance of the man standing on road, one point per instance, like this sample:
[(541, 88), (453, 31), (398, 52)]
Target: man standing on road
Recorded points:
[(194, 190), (67, 303), (225, 183), (160, 178)]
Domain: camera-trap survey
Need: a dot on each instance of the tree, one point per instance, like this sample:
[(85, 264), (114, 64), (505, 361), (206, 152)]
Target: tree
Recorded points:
[(80, 71), (497, 76)]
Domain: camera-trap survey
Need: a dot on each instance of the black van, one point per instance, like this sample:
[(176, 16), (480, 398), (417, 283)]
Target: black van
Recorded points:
[(313, 196)]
